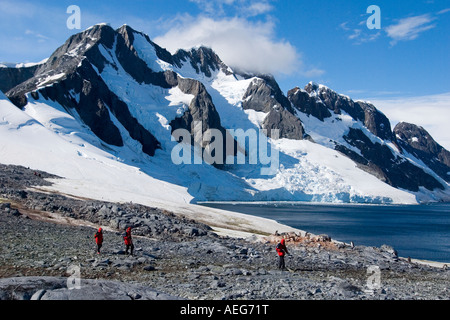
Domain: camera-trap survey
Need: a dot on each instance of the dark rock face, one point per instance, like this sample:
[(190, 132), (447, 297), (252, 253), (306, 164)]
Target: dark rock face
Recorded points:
[(396, 171), (303, 102), (201, 110), (418, 142), (319, 101), (11, 77), (135, 66), (94, 100), (67, 57), (376, 121), (77, 59), (128, 35), (373, 157), (334, 101), (263, 97), (289, 126), (95, 106)]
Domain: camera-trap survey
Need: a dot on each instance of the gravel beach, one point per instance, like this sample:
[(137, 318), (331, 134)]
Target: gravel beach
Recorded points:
[(48, 241)]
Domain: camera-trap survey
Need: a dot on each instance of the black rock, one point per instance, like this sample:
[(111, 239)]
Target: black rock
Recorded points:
[(11, 77), (302, 101), (263, 96), (396, 171), (417, 141)]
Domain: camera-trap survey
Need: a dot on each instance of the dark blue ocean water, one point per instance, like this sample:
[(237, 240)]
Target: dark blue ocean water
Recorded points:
[(416, 231)]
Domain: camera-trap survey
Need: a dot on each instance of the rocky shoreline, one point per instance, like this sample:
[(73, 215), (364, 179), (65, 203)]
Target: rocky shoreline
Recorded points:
[(46, 236)]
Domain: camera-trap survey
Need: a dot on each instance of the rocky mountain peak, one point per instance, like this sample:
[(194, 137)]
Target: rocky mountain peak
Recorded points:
[(312, 86), (129, 91), (128, 34), (318, 100), (65, 60), (202, 59)]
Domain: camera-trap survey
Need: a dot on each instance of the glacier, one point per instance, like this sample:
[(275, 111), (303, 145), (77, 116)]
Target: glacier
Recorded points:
[(48, 136)]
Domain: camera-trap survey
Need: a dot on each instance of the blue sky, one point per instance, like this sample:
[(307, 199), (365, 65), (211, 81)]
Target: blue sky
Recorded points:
[(325, 41)]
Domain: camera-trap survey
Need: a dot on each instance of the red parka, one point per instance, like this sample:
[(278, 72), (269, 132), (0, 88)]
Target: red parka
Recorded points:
[(99, 236), (281, 248), (127, 237)]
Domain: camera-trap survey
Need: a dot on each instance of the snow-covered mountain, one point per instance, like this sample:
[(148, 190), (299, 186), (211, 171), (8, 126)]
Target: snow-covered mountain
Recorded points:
[(104, 110)]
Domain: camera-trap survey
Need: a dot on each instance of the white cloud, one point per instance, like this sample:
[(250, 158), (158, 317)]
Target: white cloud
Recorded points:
[(356, 33), (232, 30), (344, 26), (360, 34), (39, 36), (432, 112), (312, 73), (240, 43), (212, 6), (444, 11), (410, 28), (258, 8)]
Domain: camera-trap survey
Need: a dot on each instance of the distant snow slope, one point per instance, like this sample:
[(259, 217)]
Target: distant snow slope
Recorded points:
[(44, 137), (47, 138), (53, 138)]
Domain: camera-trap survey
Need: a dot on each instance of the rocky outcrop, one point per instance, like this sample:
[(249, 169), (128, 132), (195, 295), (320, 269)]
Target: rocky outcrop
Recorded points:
[(203, 60), (11, 77), (289, 126), (94, 102), (133, 64), (201, 108), (201, 111), (375, 157), (418, 142), (315, 98), (376, 121), (397, 171), (128, 34), (302, 101), (263, 96), (334, 101), (57, 288), (78, 61)]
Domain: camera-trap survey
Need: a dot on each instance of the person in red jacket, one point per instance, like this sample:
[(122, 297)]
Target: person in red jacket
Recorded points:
[(128, 241), (99, 239), (281, 250)]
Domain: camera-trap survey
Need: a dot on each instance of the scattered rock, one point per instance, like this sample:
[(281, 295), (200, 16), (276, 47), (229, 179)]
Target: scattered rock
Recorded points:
[(177, 257), (149, 268)]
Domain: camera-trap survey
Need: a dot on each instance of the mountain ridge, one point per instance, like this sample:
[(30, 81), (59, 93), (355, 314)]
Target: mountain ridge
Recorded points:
[(130, 92)]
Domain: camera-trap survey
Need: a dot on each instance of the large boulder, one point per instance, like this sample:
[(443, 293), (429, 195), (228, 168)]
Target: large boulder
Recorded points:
[(56, 288)]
